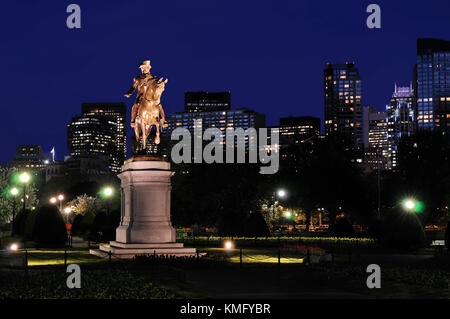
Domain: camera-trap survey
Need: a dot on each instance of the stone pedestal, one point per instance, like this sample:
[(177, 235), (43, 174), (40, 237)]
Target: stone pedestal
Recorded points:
[(145, 226)]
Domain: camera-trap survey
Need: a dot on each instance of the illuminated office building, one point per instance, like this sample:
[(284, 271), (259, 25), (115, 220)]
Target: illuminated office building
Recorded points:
[(376, 142), (239, 118), (401, 119), (94, 137), (204, 101), (115, 112), (343, 113), (30, 157), (432, 84), (294, 130)]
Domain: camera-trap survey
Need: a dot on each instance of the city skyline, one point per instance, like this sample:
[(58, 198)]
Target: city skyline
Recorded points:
[(72, 70)]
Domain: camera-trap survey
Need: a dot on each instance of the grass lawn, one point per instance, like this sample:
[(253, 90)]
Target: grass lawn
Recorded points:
[(150, 278), (254, 255)]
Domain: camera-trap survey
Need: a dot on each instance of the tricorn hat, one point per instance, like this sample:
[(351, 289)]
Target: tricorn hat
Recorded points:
[(146, 62)]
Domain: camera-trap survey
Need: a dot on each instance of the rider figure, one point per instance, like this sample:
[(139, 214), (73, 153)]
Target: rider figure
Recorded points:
[(141, 83)]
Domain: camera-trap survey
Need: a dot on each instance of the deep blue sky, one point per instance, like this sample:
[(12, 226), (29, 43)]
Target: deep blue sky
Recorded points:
[(270, 54)]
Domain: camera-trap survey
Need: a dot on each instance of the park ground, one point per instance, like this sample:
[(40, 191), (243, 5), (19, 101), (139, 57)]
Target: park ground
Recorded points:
[(423, 274)]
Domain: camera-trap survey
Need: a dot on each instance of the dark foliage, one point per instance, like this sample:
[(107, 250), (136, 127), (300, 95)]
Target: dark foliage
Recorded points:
[(20, 222), (256, 226), (215, 195), (343, 228), (447, 236), (104, 225), (402, 230), (77, 228), (49, 227)]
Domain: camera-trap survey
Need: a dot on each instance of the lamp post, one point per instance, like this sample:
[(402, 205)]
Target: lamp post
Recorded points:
[(60, 198), (24, 179), (412, 205), (107, 192), (14, 191), (281, 193), (67, 210)]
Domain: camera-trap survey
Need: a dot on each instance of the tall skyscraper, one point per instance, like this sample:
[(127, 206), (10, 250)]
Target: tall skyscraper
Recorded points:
[(343, 113), (91, 136), (432, 84), (376, 143), (206, 101), (115, 112), (401, 119)]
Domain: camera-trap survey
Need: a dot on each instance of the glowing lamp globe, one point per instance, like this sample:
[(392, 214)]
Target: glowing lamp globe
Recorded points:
[(24, 177), (228, 244)]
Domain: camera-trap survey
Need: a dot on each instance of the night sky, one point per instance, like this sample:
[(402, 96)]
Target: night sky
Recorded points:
[(269, 54)]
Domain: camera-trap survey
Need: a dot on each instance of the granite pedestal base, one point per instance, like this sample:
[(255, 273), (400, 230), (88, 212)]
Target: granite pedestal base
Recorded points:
[(145, 226)]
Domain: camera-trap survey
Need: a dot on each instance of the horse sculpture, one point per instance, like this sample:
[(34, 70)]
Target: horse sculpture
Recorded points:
[(150, 112)]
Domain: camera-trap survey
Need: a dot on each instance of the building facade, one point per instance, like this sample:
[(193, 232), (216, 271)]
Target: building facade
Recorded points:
[(114, 112), (223, 119), (401, 119), (204, 101), (376, 142), (30, 157), (343, 113), (432, 84), (90, 136)]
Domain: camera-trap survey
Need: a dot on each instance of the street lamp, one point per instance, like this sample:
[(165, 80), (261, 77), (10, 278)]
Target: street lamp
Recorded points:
[(288, 215), (107, 192), (228, 245), (53, 200), (14, 191), (412, 205), (24, 179), (67, 210), (408, 204), (60, 198), (281, 193)]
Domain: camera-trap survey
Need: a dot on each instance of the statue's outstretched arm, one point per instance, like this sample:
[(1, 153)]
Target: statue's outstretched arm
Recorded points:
[(132, 88)]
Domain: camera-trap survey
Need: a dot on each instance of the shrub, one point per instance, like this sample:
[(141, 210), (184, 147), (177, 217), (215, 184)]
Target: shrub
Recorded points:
[(447, 236), (256, 226), (29, 225), (49, 228), (402, 230), (106, 225), (343, 228), (76, 225), (19, 222), (376, 228)]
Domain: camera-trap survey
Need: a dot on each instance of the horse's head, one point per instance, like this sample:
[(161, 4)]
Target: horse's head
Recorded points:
[(159, 88), (155, 89)]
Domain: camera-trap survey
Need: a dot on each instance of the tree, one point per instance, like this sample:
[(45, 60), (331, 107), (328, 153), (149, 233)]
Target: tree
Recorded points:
[(84, 203), (8, 180), (402, 230), (255, 226), (423, 165)]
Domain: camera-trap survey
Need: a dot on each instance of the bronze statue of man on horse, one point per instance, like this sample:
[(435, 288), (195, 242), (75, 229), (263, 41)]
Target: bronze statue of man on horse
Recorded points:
[(147, 110)]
